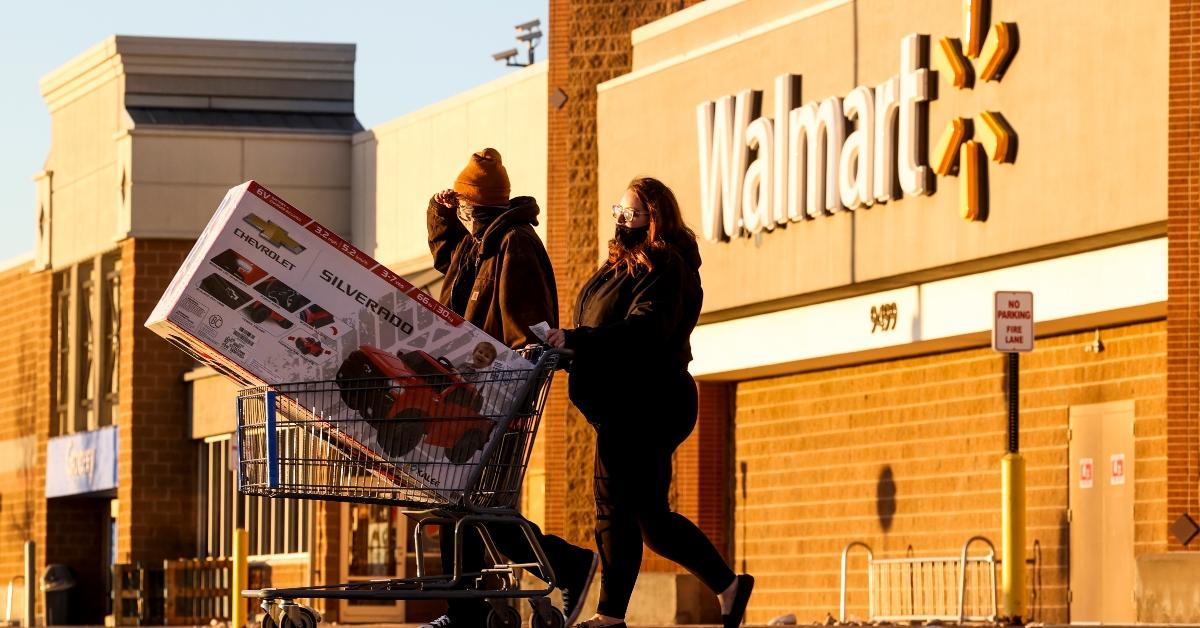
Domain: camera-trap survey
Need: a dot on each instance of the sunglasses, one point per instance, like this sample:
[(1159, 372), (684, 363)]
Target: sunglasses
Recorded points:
[(626, 214)]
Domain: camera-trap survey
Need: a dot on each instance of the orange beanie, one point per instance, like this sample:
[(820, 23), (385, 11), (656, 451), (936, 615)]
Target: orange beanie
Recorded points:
[(484, 181)]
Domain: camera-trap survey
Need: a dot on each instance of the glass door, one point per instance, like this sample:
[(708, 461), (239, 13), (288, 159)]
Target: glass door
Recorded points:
[(373, 544)]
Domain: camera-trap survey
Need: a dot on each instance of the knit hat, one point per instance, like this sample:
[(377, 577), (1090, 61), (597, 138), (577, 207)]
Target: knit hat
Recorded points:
[(484, 181)]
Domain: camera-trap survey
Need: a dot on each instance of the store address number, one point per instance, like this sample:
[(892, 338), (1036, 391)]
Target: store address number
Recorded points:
[(883, 317)]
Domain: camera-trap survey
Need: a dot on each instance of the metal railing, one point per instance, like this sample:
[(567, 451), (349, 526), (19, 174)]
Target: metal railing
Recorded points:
[(916, 588)]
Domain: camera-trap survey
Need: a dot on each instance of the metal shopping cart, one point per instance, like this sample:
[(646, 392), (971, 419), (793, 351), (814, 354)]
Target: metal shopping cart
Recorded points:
[(405, 430)]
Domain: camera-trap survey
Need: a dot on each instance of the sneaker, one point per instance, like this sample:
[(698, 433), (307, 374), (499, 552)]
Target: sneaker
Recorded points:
[(574, 581), (441, 622), (445, 621)]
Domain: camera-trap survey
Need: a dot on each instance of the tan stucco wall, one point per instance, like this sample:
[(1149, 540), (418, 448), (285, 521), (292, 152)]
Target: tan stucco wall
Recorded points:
[(398, 165), (179, 177), (109, 179), (1086, 95)]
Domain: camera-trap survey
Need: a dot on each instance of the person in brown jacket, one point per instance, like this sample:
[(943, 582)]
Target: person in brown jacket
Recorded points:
[(498, 277)]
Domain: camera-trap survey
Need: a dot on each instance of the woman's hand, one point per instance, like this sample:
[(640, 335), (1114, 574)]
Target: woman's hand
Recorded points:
[(446, 198), (557, 338)]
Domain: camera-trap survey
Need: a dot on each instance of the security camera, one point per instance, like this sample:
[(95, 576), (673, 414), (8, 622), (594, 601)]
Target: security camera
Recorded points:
[(529, 36), (505, 55), (530, 25)]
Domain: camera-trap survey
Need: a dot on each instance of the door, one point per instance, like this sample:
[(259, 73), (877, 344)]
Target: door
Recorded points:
[(373, 547), (1101, 513)]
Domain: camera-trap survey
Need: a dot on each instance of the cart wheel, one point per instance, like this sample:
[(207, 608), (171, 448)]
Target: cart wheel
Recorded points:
[(398, 437), (268, 621), (467, 445), (503, 617), (545, 615), (305, 618)]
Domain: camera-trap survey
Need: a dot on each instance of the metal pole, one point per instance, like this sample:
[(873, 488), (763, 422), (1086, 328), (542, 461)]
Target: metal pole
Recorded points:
[(241, 546), (1012, 484), (30, 618)]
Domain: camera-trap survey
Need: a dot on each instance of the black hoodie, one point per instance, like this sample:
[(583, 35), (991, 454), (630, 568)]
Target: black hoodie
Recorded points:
[(500, 278), (632, 340)]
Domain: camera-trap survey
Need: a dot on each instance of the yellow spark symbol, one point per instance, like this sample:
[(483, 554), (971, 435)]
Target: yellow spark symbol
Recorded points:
[(961, 149)]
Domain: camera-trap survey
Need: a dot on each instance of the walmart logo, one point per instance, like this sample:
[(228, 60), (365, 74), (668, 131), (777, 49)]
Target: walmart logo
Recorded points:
[(967, 144)]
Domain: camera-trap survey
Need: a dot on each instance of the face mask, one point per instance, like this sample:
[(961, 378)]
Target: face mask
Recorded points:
[(466, 215), (630, 237)]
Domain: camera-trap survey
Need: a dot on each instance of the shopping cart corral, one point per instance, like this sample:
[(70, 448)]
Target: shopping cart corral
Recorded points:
[(448, 447)]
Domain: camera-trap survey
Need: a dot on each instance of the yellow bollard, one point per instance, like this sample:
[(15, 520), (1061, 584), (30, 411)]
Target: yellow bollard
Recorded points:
[(1012, 486), (241, 544)]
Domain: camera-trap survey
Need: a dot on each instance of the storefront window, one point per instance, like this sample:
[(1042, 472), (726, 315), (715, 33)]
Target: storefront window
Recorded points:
[(87, 320), (275, 526)]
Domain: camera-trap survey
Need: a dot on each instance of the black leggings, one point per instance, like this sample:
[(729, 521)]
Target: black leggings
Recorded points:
[(633, 478)]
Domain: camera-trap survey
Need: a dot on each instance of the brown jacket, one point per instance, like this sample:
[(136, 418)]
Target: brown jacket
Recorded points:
[(514, 284)]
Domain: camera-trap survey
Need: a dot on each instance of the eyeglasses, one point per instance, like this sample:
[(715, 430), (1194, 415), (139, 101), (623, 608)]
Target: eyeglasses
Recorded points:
[(626, 214)]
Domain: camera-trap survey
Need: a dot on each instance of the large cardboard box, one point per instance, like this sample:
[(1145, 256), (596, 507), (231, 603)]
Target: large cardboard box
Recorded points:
[(269, 296)]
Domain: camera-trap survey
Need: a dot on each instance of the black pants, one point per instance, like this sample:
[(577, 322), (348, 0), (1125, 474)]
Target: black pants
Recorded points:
[(633, 478), (510, 541)]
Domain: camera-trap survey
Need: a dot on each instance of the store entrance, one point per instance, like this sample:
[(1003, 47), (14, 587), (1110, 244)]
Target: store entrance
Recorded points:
[(79, 536)]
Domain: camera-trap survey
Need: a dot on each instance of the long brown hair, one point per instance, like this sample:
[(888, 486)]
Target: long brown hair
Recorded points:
[(667, 228)]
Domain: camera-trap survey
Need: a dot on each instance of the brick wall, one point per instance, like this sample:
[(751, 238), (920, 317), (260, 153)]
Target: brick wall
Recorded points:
[(1183, 241), (589, 43), (816, 447), (157, 463), (24, 415)]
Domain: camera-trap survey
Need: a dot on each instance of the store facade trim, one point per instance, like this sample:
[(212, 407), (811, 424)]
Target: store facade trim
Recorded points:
[(955, 310)]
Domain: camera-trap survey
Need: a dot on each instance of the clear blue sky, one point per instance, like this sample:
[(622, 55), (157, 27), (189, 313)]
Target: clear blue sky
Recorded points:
[(410, 54)]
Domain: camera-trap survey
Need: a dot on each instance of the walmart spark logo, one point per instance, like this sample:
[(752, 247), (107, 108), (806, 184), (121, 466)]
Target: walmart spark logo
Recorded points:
[(967, 143)]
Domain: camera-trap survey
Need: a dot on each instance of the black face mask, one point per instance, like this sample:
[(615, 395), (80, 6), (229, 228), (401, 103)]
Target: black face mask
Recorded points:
[(630, 237)]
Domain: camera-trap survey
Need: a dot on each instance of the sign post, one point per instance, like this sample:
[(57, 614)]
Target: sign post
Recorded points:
[(1012, 334)]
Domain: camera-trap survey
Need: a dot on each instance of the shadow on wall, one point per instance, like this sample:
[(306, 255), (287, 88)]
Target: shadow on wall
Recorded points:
[(885, 498)]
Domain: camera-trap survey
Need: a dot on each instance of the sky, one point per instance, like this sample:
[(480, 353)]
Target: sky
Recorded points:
[(410, 54)]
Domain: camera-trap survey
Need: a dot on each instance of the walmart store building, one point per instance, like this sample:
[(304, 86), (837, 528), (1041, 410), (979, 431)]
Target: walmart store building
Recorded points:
[(863, 175)]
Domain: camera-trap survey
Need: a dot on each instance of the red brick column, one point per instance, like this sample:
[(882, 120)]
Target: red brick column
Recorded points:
[(1183, 231), (157, 463), (25, 415)]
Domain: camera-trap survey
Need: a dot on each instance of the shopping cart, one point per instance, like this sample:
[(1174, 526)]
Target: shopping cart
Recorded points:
[(450, 447)]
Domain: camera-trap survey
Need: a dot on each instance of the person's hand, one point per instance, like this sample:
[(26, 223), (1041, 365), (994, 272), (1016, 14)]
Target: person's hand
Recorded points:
[(556, 338), (446, 198)]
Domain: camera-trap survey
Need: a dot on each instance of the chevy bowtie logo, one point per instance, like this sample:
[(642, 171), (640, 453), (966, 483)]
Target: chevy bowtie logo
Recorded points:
[(273, 233), (966, 143)]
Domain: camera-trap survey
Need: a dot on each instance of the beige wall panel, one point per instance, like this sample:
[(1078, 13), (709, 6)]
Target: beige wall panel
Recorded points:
[(179, 181), (312, 162), (328, 206), (1092, 142), (363, 192), (82, 133), (85, 216), (176, 209), (187, 160), (214, 406), (85, 182), (657, 45), (419, 154)]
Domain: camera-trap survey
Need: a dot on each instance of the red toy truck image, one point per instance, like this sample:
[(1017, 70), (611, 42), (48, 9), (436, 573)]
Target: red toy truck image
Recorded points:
[(412, 396)]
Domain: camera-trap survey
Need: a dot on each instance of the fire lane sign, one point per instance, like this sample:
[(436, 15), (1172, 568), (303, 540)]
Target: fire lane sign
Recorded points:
[(1012, 330)]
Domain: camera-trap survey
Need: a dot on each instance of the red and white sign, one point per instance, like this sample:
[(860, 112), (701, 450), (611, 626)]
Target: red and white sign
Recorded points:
[(1087, 471), (1117, 463), (1012, 330)]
